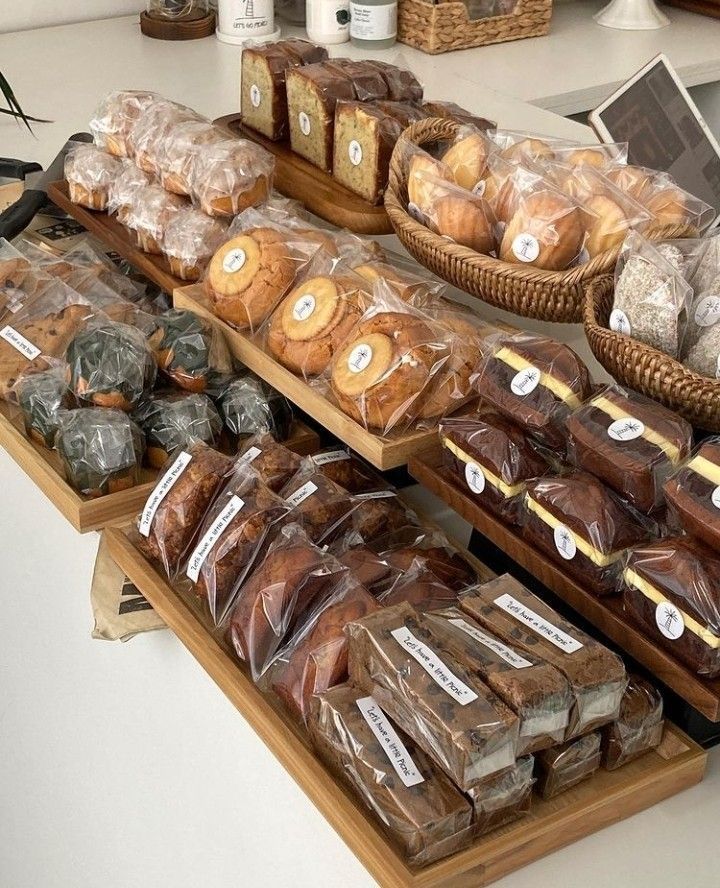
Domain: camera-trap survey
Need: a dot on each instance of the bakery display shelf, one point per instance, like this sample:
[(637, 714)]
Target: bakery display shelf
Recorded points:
[(606, 798), (605, 613), (43, 466), (298, 178), (114, 235), (384, 453)]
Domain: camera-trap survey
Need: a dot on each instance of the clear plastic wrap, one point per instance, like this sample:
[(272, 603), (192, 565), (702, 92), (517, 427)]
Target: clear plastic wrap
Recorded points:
[(148, 215), (467, 156), (692, 494), (423, 173), (536, 382), (563, 767), (124, 190), (403, 277), (174, 420), (583, 526), (451, 111), (147, 134), (504, 797), (517, 146), (249, 406), (669, 204), (430, 549), (101, 450), (672, 590), (273, 462), (639, 727), (370, 569), (416, 803), (603, 157), (177, 153), (187, 485), (373, 514), (110, 365), (458, 721), (459, 215), (629, 442), (347, 470), (708, 267), (490, 456), (652, 299), (232, 539), (520, 619), (419, 587), (274, 599), (41, 398), (502, 183), (189, 242), (317, 503), (89, 173), (701, 348), (114, 117), (229, 176), (188, 348)]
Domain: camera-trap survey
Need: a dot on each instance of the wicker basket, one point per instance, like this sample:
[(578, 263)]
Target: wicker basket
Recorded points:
[(645, 369), (555, 296), (443, 27)]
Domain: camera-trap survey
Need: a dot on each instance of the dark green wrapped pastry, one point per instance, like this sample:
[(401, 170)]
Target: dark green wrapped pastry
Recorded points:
[(174, 419), (249, 406), (40, 397), (183, 345), (101, 450), (110, 365)]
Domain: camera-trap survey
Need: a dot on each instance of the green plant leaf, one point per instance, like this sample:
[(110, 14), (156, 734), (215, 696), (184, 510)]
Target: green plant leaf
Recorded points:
[(12, 101)]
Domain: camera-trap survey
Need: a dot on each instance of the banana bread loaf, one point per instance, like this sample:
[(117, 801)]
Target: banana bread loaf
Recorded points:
[(562, 767), (639, 727)]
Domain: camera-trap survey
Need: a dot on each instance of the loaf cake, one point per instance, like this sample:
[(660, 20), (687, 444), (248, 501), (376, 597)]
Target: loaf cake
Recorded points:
[(491, 457), (263, 95), (370, 569), (693, 494), (456, 719), (672, 590), (342, 467), (316, 503), (430, 550), (451, 111), (402, 85), (504, 797), (419, 587), (272, 461), (629, 442), (520, 619), (172, 420), (416, 803), (562, 767), (639, 727)]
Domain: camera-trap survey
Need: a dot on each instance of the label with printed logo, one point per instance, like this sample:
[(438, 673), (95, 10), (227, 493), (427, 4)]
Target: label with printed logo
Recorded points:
[(715, 497), (669, 620), (355, 152), (234, 260), (161, 490), (439, 671), (475, 477), (255, 95), (301, 494), (206, 544), (375, 494), (525, 247), (415, 211), (565, 542), (626, 429), (390, 742), (525, 381), (360, 357), (620, 322), (321, 459), (541, 627), (707, 311), (304, 122), (19, 342), (250, 454), (304, 307), (497, 647)]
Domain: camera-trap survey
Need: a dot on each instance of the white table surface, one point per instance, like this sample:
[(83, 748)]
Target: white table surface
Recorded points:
[(122, 766)]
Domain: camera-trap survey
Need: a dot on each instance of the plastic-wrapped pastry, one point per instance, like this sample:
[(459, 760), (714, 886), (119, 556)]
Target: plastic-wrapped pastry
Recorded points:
[(451, 111), (629, 442), (272, 461), (187, 349), (317, 503), (504, 797), (174, 420), (147, 134), (189, 241), (250, 406), (419, 587), (639, 727), (89, 173), (114, 118), (456, 719), (670, 204), (229, 176), (701, 348), (416, 803), (458, 214), (429, 549), (424, 174), (347, 470), (562, 767), (467, 156), (123, 190), (101, 450), (693, 493), (671, 589), (149, 215), (178, 151), (41, 398)]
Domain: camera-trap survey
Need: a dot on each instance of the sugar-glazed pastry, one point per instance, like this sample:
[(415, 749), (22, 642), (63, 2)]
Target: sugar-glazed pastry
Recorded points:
[(115, 116), (177, 152), (189, 241), (149, 215), (89, 173), (147, 134), (229, 176)]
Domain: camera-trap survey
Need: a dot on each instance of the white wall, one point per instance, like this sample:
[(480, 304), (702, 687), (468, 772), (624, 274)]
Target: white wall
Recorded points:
[(18, 16)]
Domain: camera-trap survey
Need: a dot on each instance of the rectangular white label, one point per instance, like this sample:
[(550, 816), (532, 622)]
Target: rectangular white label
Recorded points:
[(302, 493), (434, 666), (161, 490), (250, 454), (19, 342), (332, 456), (203, 548), (375, 494), (535, 622), (391, 744), (503, 651)]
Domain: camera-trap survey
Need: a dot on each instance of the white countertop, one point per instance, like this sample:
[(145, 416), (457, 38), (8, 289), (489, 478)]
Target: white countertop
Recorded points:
[(122, 766)]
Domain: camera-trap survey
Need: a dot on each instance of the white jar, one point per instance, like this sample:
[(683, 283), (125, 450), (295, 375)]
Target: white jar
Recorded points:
[(328, 21), (242, 21)]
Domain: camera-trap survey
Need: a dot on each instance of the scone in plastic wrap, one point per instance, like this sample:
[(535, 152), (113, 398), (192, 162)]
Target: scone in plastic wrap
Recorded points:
[(114, 118), (171, 517), (343, 467), (90, 173), (189, 242), (172, 420), (639, 727), (272, 461), (416, 803), (520, 619), (188, 349), (229, 176), (692, 494), (562, 767), (250, 406), (455, 718), (41, 398)]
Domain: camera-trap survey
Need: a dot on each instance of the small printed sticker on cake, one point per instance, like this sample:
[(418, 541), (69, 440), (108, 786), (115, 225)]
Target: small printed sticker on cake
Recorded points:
[(475, 477), (626, 429), (415, 211), (250, 454), (355, 152), (525, 247), (525, 381), (715, 497), (321, 459), (565, 542), (620, 322), (360, 358), (19, 342), (304, 307), (234, 260), (301, 494), (707, 311), (669, 620), (304, 122), (479, 189), (255, 95)]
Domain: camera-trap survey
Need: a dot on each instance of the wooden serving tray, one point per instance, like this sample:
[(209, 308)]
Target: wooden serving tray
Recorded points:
[(298, 178), (605, 613), (383, 452), (606, 798), (107, 228), (44, 467)]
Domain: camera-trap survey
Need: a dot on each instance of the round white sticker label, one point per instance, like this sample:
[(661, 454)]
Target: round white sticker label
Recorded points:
[(565, 542), (255, 95), (304, 122), (355, 152), (626, 429), (715, 497), (707, 311), (234, 260), (415, 211), (525, 381), (620, 322), (360, 357), (525, 247), (475, 477), (304, 307), (480, 187), (669, 620)]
